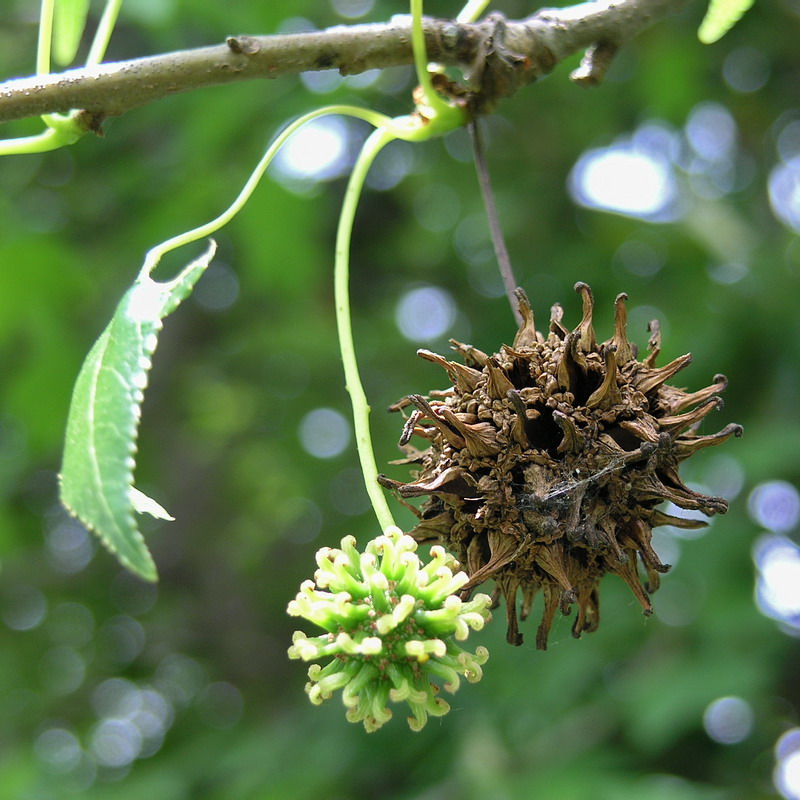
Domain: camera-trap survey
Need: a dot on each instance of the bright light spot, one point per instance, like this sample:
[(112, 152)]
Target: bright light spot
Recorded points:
[(728, 720), (626, 180), (711, 131), (788, 143), (775, 505), (727, 273), (746, 69), (364, 79), (317, 151), (778, 587), (24, 609), (146, 709), (218, 288), (352, 9), (667, 547), (787, 770), (322, 81), (69, 546), (324, 432), (724, 476), (425, 314), (679, 602), (59, 749), (683, 513), (116, 742), (146, 301), (784, 192)]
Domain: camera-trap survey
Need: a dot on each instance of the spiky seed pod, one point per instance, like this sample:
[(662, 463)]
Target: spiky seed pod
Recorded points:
[(548, 461), (392, 626)]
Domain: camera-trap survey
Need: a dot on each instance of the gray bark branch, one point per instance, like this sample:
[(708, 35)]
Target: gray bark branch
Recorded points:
[(499, 57)]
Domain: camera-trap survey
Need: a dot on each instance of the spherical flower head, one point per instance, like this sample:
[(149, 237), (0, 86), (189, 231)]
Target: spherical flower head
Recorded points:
[(392, 629)]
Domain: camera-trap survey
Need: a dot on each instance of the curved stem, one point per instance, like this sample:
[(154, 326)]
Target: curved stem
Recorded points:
[(155, 254), (378, 139)]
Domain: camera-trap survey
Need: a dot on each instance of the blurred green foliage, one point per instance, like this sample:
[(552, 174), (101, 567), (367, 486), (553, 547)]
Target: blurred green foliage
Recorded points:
[(91, 658)]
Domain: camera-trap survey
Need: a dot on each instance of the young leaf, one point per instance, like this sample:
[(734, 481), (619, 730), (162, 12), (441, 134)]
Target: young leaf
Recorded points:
[(69, 20), (721, 16), (103, 422)]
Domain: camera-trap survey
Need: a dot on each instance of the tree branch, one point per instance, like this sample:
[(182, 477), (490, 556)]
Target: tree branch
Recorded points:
[(498, 56)]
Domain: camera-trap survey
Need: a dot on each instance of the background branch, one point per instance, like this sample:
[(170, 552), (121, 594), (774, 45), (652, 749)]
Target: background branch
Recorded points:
[(499, 56)]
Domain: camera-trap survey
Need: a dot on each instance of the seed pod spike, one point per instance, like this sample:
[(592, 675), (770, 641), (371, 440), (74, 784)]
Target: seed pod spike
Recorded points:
[(653, 343), (627, 571), (608, 394), (551, 559), (686, 523), (509, 589), (588, 343), (646, 381), (479, 439), (465, 379), (686, 446), (573, 440), (552, 600), (620, 338), (677, 424), (526, 335), (518, 428), (556, 315), (470, 353), (676, 400), (498, 385), (448, 433), (572, 365)]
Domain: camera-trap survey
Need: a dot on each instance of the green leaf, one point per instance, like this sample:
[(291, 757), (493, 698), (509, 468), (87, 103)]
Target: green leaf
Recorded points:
[(103, 422), (721, 16), (69, 20)]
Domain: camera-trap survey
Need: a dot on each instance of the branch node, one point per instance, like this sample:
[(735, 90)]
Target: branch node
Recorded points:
[(594, 64), (243, 45)]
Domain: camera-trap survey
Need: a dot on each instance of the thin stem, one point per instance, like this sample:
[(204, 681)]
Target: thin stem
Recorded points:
[(371, 148), (155, 254), (102, 35), (498, 240), (45, 41), (472, 10)]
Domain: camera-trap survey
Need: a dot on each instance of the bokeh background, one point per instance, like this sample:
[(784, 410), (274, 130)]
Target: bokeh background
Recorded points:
[(677, 181)]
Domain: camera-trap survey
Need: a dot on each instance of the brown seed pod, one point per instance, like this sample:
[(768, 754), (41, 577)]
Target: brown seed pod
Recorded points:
[(547, 462)]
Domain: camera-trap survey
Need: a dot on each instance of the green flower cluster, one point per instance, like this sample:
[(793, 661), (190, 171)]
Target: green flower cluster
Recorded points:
[(392, 628)]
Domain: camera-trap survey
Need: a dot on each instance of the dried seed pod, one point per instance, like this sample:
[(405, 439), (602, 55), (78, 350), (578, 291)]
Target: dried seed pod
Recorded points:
[(547, 463)]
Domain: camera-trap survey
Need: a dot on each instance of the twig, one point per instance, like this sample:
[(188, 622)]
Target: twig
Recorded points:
[(500, 56), (498, 240)]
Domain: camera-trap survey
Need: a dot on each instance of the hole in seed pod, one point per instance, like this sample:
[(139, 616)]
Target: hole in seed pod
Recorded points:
[(544, 432), (625, 439)]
